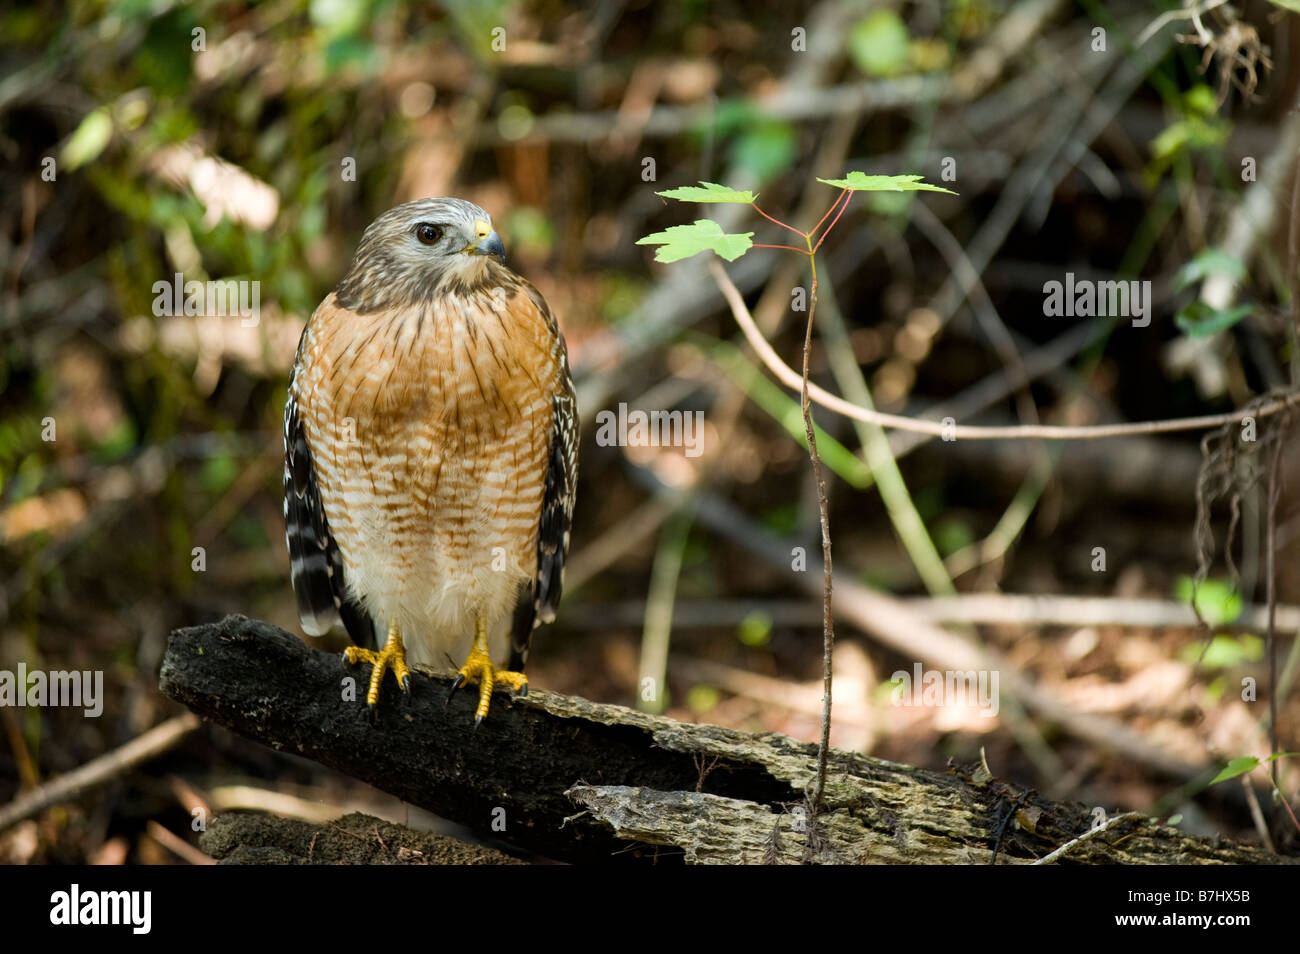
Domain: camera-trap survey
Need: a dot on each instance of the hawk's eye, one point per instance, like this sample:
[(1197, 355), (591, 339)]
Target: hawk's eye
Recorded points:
[(427, 234)]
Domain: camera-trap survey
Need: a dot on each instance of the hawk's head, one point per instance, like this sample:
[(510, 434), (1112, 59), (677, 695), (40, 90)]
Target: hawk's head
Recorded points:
[(419, 250)]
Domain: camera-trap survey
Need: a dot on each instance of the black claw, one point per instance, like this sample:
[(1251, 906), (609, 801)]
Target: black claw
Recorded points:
[(458, 681), (478, 722), (406, 684)]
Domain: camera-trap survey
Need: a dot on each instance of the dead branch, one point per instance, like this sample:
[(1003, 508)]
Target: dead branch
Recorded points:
[(98, 771), (581, 781), (1265, 406)]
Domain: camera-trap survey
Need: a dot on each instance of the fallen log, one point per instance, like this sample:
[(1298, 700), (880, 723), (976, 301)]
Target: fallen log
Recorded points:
[(581, 781), (255, 838)]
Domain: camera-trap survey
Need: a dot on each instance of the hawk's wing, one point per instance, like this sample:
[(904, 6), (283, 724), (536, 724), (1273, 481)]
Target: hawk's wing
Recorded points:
[(538, 605), (315, 564)]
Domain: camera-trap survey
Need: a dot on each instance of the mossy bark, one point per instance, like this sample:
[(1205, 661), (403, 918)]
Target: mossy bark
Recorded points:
[(580, 781)]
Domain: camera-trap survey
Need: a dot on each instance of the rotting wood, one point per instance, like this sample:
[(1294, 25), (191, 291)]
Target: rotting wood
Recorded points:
[(587, 782)]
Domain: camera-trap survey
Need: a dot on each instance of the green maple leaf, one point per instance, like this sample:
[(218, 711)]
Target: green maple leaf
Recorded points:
[(1241, 766), (1248, 763), (703, 235), (708, 192), (860, 182)]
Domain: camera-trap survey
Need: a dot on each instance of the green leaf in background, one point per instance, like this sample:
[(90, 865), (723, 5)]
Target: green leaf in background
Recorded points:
[(88, 139), (118, 442), (530, 230), (1287, 4), (1201, 100), (1214, 690), (952, 534), (165, 59), (1224, 652), (708, 192), (782, 519), (860, 182), (889, 204), (731, 116), (476, 19), (755, 630), (1187, 135), (879, 44), (1211, 261), (1197, 129), (620, 296), (1199, 320), (336, 18), (218, 473), (702, 699), (311, 222), (350, 51), (766, 149), (702, 235), (1240, 766), (1218, 601)]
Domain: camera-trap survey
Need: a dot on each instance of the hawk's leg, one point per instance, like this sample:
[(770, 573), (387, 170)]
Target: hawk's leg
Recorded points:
[(479, 667), (392, 656)]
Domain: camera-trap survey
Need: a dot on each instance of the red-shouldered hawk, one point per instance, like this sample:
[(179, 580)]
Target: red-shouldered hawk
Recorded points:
[(430, 441)]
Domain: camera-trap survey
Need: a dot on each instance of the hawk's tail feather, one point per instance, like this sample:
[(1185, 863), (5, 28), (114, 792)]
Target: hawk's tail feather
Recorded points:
[(315, 563)]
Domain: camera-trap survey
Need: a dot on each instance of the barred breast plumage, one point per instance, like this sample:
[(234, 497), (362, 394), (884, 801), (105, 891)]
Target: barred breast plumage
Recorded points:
[(436, 416)]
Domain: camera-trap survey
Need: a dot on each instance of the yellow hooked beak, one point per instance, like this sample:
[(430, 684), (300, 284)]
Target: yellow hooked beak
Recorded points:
[(489, 243)]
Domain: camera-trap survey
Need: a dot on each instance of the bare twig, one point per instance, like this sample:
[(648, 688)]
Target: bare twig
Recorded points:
[(98, 771), (998, 386), (999, 609), (177, 845), (1090, 833), (792, 379), (1256, 812)]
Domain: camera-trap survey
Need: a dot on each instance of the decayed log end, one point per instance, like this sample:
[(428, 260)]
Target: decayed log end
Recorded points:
[(256, 838), (580, 781)]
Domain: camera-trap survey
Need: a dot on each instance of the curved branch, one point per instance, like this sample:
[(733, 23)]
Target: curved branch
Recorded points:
[(791, 379)]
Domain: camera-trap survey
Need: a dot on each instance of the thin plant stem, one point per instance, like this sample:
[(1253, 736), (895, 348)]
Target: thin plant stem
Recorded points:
[(823, 515), (832, 225), (813, 230), (1270, 587), (775, 221)]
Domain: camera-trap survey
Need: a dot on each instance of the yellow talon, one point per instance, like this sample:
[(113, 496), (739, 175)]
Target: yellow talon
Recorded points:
[(392, 656), (479, 667)]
